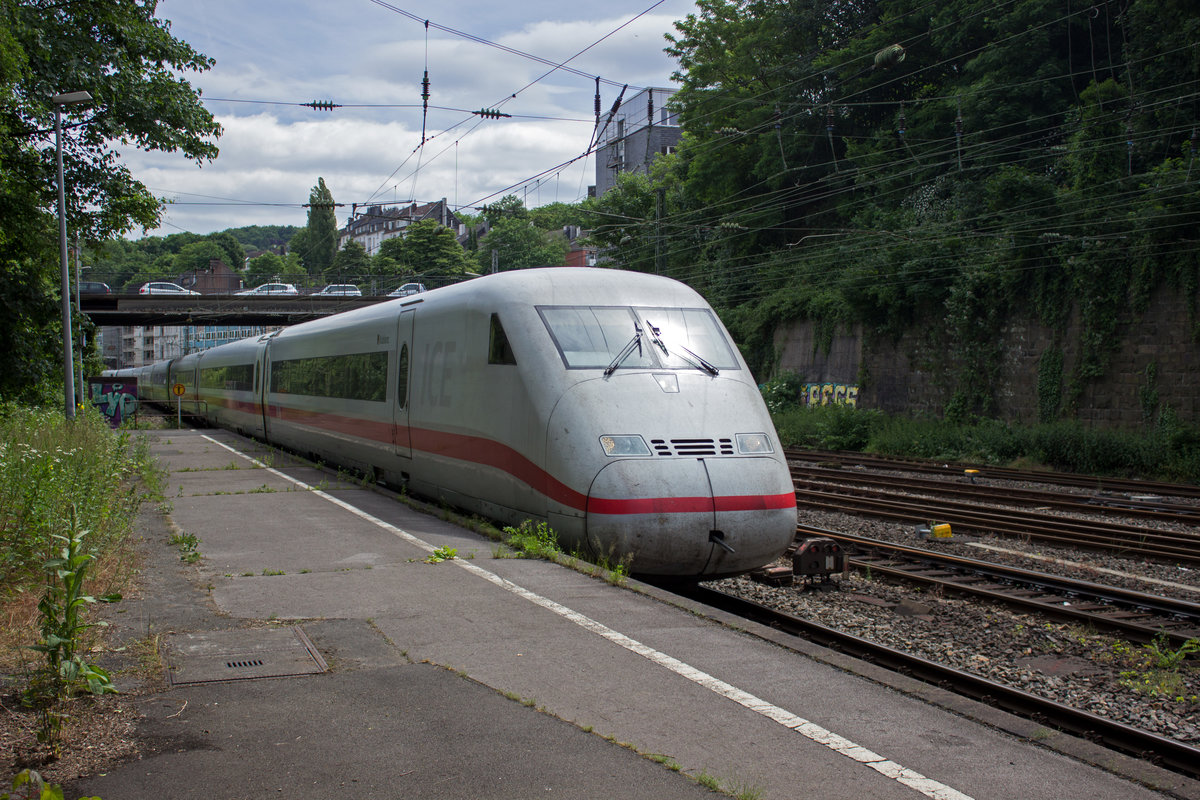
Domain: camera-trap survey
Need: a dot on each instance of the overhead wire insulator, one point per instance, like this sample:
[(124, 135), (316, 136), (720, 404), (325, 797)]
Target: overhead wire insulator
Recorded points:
[(322, 105), (491, 113), (889, 56)]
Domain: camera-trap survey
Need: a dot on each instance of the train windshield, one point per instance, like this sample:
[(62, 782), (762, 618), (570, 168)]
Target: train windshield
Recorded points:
[(593, 337)]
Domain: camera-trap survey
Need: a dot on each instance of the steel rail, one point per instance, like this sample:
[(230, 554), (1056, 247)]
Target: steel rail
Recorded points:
[(1140, 616), (1083, 504), (1029, 476), (1161, 750), (1120, 539)]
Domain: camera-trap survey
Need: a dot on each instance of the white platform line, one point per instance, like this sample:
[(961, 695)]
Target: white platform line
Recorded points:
[(810, 730)]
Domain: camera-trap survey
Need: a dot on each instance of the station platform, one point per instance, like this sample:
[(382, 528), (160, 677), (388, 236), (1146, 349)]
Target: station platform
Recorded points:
[(316, 650)]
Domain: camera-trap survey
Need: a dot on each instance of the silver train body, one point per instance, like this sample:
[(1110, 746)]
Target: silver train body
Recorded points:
[(611, 405)]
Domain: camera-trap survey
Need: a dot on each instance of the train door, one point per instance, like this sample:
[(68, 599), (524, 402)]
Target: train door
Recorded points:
[(401, 433), (260, 388)]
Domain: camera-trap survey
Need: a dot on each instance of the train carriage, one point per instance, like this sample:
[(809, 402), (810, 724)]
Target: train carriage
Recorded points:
[(228, 389), (610, 404)]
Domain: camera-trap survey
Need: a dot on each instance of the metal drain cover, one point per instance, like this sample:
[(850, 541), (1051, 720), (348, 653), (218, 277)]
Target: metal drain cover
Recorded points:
[(213, 656)]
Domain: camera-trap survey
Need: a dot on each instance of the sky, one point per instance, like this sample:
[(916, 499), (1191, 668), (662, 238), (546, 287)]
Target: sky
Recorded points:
[(369, 56)]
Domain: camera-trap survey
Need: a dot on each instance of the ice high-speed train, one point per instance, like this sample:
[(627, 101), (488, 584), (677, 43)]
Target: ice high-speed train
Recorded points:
[(610, 404)]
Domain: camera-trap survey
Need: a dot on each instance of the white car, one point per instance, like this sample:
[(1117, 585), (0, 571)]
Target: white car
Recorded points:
[(271, 288), (339, 290), (407, 289), (163, 287)]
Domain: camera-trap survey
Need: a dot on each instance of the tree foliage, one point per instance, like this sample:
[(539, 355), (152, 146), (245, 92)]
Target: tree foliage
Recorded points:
[(883, 162), (317, 243), (432, 250), (132, 67)]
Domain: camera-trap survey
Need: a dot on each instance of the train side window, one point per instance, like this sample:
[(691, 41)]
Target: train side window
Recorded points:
[(402, 377), (499, 350)]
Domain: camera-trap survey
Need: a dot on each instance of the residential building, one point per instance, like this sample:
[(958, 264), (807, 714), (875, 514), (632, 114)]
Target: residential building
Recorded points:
[(642, 129), (377, 224)]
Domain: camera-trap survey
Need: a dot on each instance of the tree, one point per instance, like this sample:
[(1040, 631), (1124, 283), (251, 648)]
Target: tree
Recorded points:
[(234, 254), (430, 249), (131, 65), (623, 222), (519, 245), (270, 267), (509, 206), (320, 238), (351, 263), (556, 216), (197, 256)]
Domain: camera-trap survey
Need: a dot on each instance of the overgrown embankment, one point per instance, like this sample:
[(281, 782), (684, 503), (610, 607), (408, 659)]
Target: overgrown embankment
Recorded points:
[(50, 466), (1166, 450)]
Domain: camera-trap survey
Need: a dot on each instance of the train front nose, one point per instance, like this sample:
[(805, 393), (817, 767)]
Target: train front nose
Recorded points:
[(692, 516)]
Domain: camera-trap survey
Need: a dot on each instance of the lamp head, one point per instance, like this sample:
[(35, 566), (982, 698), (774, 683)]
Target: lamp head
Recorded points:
[(70, 98)]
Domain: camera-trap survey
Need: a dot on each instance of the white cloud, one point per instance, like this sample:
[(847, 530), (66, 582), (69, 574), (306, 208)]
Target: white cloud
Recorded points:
[(280, 52)]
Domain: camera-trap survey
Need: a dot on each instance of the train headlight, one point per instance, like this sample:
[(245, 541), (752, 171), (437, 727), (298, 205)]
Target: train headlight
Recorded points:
[(754, 444), (631, 445)]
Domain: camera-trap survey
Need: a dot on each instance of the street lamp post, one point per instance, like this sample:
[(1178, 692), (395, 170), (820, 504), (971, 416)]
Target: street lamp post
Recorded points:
[(60, 100), (79, 311)]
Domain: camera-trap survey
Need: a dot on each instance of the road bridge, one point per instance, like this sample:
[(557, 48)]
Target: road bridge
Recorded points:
[(215, 309)]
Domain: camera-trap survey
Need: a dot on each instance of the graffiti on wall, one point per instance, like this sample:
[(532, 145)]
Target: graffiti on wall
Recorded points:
[(116, 399), (829, 394)]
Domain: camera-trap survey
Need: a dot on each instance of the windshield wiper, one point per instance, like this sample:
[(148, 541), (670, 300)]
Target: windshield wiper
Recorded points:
[(695, 360), (636, 341)]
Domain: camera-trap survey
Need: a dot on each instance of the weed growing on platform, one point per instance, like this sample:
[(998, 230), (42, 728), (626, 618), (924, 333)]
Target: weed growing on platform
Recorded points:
[(532, 540), (188, 544), (441, 554)]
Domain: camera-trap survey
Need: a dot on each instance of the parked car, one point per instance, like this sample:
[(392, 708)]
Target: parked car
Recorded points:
[(407, 289), (94, 287), (163, 287), (339, 290), (271, 288)]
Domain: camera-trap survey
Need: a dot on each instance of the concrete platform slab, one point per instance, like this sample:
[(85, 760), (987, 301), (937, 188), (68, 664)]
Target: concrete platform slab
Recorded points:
[(660, 676)]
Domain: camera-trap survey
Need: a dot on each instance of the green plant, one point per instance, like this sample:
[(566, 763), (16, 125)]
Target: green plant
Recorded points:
[(1157, 669), (48, 465), (782, 391), (1163, 657), (188, 544), (60, 612), (441, 554), (28, 785), (532, 540), (62, 621), (666, 761)]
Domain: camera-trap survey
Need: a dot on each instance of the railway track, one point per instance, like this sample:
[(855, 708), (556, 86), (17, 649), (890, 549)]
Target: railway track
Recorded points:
[(1135, 615), (957, 469), (1122, 539), (1161, 750), (1102, 503)]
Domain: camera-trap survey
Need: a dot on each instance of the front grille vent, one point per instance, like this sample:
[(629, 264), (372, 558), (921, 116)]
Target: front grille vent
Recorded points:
[(692, 447)]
